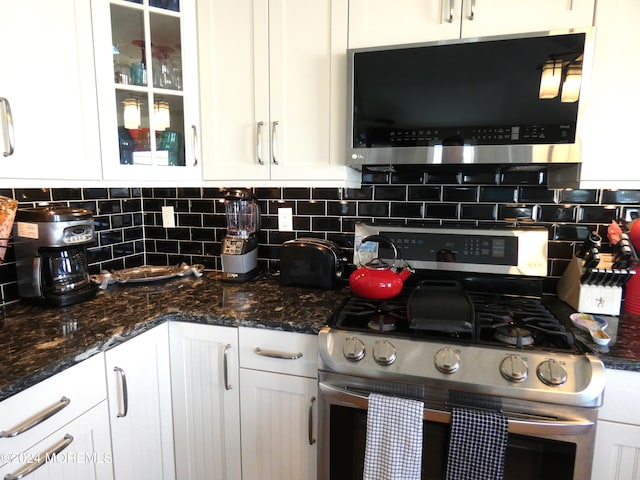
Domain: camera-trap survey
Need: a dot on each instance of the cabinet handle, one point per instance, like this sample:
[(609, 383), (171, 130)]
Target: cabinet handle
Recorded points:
[(122, 412), (225, 367), (9, 119), (36, 419), (452, 6), (40, 459), (274, 138), (311, 439), (472, 12), (195, 144), (259, 143), (278, 354)]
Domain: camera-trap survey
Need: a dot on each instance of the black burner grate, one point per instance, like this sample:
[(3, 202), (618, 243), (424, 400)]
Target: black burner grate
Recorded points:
[(500, 320)]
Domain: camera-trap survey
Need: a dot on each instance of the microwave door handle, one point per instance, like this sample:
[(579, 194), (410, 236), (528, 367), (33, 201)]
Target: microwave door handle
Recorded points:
[(523, 425)]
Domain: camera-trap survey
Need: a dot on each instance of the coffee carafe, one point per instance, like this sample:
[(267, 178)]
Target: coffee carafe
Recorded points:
[(240, 245), (51, 257)]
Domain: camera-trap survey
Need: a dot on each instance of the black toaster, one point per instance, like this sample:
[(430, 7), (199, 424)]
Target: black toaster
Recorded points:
[(311, 262)]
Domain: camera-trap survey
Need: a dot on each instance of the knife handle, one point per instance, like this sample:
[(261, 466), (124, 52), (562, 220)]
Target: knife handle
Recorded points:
[(592, 259), (593, 240)]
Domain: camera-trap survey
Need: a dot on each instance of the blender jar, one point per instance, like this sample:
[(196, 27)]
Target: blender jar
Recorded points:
[(242, 217)]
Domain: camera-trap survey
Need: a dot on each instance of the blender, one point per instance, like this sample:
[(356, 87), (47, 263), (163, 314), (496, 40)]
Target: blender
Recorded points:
[(240, 245)]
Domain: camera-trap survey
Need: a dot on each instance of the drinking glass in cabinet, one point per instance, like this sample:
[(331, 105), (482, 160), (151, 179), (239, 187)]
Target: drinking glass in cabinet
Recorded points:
[(129, 48), (171, 145), (166, 51)]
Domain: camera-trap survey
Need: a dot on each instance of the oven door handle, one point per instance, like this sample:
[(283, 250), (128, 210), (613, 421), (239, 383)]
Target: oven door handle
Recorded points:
[(526, 425)]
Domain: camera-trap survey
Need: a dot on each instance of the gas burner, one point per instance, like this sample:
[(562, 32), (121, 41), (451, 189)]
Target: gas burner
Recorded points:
[(383, 323), (514, 335), (373, 315)]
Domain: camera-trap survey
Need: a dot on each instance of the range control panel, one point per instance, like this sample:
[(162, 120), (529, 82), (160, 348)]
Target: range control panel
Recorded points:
[(519, 251)]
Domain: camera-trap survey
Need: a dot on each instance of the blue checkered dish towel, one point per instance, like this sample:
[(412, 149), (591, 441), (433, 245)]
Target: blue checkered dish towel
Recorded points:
[(394, 439), (477, 445)]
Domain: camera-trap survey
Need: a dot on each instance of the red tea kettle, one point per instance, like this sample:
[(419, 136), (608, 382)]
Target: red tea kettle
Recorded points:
[(376, 279)]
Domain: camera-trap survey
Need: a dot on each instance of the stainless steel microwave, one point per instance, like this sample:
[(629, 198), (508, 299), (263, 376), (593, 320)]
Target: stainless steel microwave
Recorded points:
[(496, 100)]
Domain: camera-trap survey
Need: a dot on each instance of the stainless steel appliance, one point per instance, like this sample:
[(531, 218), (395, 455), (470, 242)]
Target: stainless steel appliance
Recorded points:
[(50, 245), (239, 253), (474, 100), (512, 355), (311, 262)]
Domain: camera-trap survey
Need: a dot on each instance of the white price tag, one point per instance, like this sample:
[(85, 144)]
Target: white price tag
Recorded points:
[(28, 230)]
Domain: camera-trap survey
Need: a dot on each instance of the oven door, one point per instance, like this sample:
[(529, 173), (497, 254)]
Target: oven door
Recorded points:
[(551, 446)]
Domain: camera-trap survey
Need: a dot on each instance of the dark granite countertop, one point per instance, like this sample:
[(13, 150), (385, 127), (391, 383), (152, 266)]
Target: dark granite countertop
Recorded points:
[(38, 342), (623, 352)]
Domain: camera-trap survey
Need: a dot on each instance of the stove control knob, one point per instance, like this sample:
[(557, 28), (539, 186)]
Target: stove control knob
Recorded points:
[(514, 368), (384, 352), (447, 360), (552, 373), (353, 349)]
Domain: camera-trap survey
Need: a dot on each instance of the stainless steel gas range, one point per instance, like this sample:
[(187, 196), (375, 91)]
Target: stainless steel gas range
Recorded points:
[(511, 355)]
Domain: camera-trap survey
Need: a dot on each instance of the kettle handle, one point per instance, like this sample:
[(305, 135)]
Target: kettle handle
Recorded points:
[(385, 240)]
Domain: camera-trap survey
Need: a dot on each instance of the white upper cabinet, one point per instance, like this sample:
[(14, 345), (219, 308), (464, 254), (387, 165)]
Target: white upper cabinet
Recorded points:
[(48, 113), (146, 74), (273, 91), (385, 22), (501, 17), (612, 103)]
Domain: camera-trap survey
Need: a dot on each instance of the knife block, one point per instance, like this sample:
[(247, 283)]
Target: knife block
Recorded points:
[(601, 299)]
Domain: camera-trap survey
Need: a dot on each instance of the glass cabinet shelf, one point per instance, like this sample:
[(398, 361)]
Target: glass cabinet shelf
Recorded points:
[(147, 99)]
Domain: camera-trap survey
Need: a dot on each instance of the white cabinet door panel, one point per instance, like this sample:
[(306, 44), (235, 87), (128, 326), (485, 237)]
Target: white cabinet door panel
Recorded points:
[(49, 81), (278, 426), (81, 386), (84, 451), (204, 371), (617, 452), (383, 22), (138, 382), (500, 17)]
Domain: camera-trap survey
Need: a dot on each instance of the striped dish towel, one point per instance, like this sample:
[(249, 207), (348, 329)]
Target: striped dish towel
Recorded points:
[(477, 445), (394, 439)]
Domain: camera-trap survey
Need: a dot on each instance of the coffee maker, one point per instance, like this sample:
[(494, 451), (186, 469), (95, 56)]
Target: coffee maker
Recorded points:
[(240, 245), (51, 255)]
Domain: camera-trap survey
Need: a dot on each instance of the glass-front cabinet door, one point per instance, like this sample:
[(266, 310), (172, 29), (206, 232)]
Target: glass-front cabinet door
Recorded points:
[(146, 68)]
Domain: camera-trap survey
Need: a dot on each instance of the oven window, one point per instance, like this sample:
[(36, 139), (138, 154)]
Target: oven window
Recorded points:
[(528, 458)]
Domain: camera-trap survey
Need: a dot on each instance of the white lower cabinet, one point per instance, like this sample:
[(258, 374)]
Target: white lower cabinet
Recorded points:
[(181, 401), (59, 428), (204, 373), (617, 450), (278, 392), (139, 392), (78, 451)]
